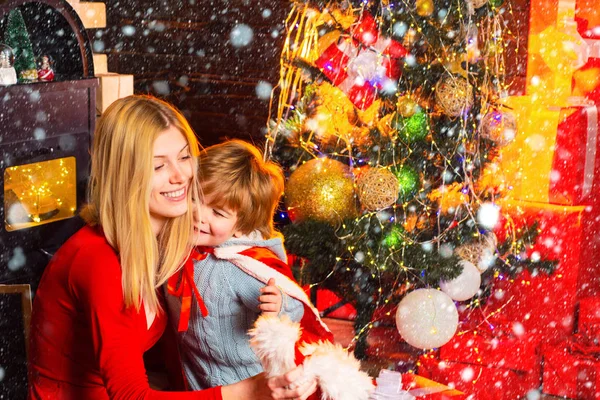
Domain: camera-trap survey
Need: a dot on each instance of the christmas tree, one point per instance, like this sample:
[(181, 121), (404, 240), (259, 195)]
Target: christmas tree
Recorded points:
[(388, 124), (17, 37)]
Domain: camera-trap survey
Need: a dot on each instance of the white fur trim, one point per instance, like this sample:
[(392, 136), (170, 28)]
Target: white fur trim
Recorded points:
[(337, 372), (263, 273), (274, 340)]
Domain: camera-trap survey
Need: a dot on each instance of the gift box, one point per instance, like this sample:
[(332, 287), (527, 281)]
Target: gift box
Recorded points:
[(586, 80), (480, 382), (362, 64), (555, 157), (536, 303), (576, 165), (569, 374), (507, 351), (112, 87), (588, 318), (423, 388)]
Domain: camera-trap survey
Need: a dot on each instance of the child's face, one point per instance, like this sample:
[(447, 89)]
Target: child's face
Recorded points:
[(213, 225)]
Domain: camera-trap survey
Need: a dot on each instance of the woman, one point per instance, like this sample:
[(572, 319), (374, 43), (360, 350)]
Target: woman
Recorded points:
[(97, 309)]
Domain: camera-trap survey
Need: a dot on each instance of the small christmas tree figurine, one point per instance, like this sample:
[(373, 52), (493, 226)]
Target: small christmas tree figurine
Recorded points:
[(17, 37)]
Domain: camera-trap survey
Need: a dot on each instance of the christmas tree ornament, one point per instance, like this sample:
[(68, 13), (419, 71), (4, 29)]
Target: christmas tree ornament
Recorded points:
[(413, 128), (321, 189), (327, 40), (454, 95), (408, 180), (17, 37), (499, 127), (394, 236), (478, 3), (426, 318), (481, 253), (424, 8), (411, 38), (377, 188), (45, 71), (464, 286), (8, 75), (406, 106), (363, 64), (335, 117)]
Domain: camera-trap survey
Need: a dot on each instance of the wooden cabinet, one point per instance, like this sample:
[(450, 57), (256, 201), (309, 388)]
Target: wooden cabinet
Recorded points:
[(45, 136)]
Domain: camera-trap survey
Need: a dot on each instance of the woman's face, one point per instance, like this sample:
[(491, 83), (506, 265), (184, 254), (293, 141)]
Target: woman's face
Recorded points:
[(171, 178)]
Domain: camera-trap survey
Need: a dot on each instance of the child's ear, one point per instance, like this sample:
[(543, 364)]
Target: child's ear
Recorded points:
[(238, 234)]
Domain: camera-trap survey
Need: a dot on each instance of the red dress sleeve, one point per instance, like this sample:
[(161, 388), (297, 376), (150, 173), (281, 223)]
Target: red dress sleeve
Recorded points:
[(116, 330)]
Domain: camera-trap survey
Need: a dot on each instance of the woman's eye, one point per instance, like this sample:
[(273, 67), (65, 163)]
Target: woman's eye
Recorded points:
[(157, 167)]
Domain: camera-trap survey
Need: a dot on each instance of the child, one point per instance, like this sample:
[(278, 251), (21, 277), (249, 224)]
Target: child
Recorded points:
[(237, 252)]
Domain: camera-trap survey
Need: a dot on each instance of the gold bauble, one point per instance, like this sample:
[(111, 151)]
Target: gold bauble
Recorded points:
[(425, 7), (406, 106), (321, 189), (454, 95), (377, 188)]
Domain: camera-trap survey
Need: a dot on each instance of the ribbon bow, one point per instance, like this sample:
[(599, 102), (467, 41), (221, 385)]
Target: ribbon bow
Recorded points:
[(182, 285)]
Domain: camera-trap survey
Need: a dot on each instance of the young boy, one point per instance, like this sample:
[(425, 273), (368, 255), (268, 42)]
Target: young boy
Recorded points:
[(238, 251)]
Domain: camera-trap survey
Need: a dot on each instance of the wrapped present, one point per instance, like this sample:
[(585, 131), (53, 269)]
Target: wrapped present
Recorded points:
[(571, 371), (424, 388), (555, 157), (480, 382), (113, 86), (538, 303), (588, 323), (574, 177), (586, 80), (362, 64), (506, 351)]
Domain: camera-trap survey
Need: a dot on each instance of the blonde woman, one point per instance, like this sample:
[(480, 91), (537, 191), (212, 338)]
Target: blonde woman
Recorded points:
[(97, 309)]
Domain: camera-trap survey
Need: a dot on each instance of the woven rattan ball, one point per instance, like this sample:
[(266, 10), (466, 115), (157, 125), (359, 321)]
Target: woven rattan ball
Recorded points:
[(478, 3), (454, 95), (377, 188)]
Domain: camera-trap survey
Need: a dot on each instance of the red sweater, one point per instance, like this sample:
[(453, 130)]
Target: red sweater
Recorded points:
[(85, 344)]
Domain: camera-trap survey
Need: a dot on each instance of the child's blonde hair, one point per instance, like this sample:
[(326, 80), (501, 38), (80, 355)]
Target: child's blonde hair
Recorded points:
[(235, 175), (119, 194)]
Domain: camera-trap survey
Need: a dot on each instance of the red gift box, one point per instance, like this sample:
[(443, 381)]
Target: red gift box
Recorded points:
[(361, 65), (586, 81), (513, 353), (569, 374), (588, 323), (539, 303), (479, 381), (576, 163)]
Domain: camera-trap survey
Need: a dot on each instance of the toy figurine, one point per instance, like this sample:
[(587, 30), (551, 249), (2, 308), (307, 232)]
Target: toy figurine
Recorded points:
[(45, 71)]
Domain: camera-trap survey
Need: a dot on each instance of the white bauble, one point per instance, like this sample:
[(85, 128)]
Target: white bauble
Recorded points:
[(426, 318), (464, 286)]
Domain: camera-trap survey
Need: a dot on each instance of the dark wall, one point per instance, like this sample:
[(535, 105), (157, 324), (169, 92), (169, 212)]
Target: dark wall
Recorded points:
[(181, 50)]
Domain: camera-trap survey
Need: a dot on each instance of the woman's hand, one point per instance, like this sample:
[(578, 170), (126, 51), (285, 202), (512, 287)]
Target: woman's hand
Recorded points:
[(278, 387)]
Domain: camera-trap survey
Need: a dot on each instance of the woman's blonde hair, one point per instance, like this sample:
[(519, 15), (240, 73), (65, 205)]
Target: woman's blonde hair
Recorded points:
[(119, 195), (234, 174)]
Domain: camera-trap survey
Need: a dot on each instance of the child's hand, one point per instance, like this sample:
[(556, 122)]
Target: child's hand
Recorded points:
[(270, 299)]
